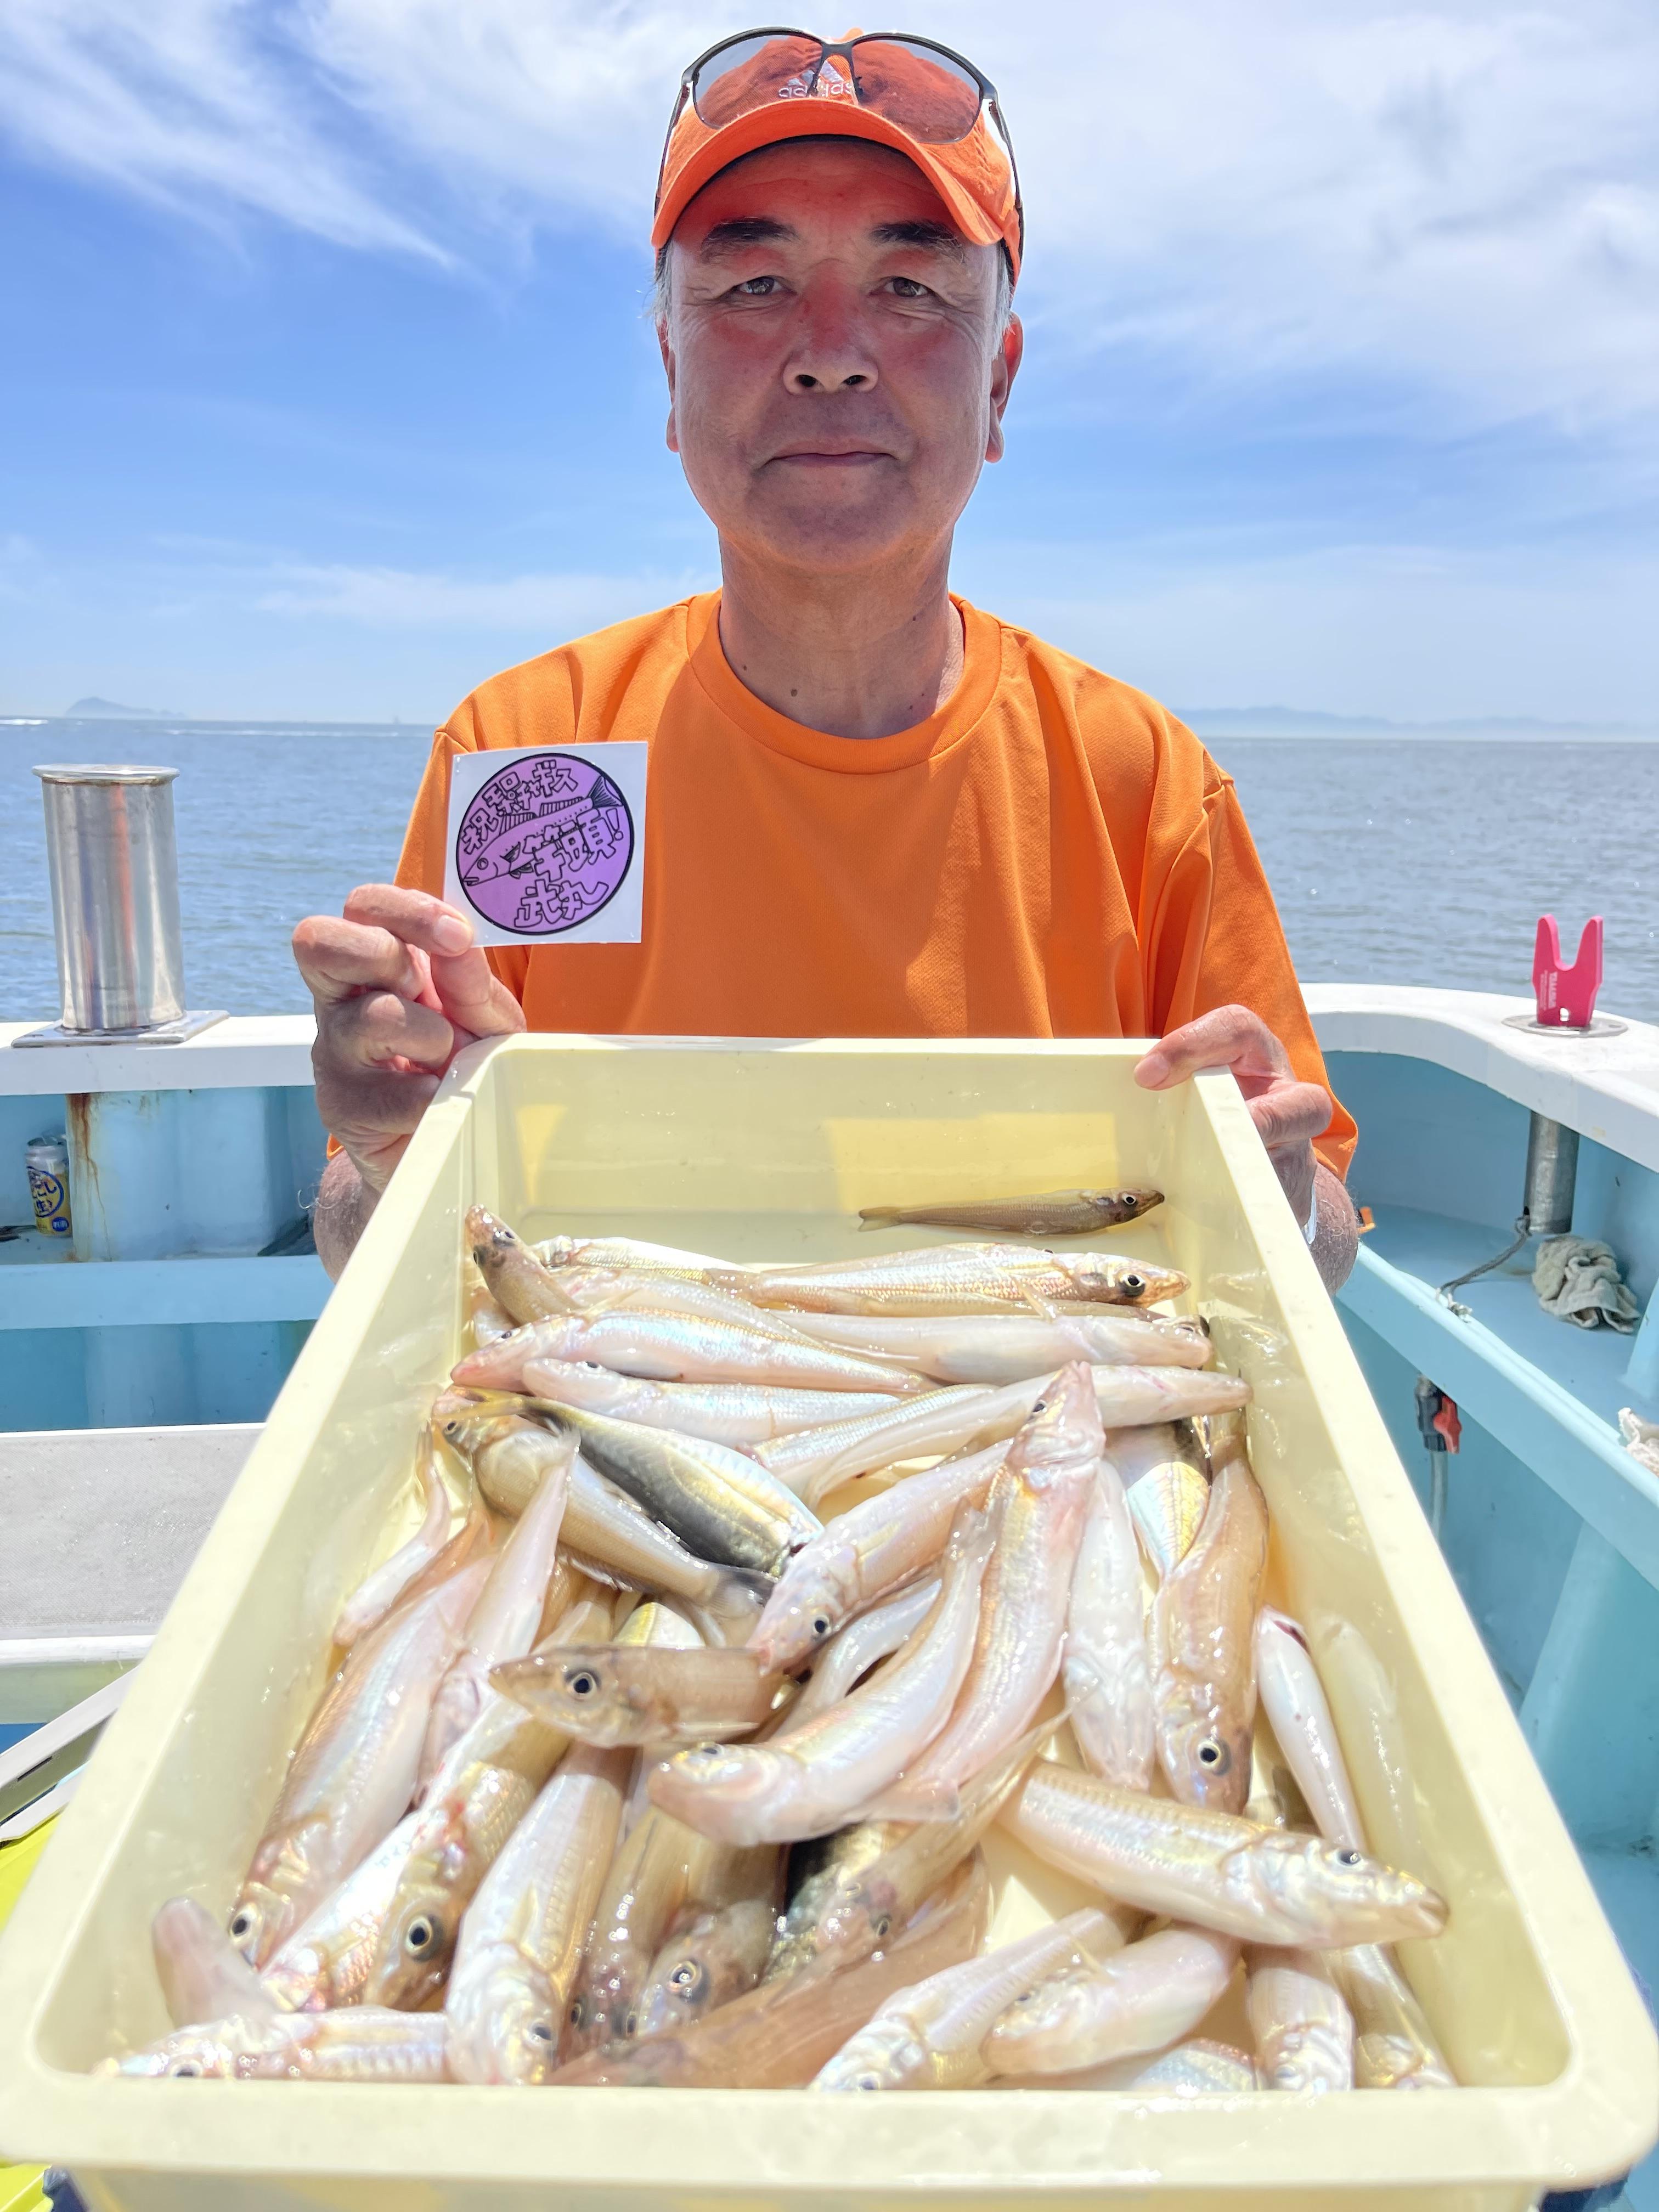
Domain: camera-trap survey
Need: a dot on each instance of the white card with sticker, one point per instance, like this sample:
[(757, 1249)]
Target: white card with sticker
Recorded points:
[(546, 843)]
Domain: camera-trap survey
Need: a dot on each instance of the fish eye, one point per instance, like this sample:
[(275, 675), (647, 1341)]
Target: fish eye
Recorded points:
[(422, 1936), (1040, 1406), (184, 2069), (821, 1624), (883, 1925), (1135, 1284), (582, 1681), (704, 1751), (578, 2013), (243, 1923), (1212, 1756), (630, 2023), (1350, 1859), (541, 2030), (684, 1975), (867, 2081)]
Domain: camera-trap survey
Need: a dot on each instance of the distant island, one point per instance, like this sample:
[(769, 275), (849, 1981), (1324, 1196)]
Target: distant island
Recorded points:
[(1296, 722), (1214, 725), (111, 710)]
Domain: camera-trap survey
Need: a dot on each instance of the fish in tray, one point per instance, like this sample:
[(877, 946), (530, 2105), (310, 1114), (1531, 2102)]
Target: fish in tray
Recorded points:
[(608, 1533), (1038, 1504), (361, 2043), (868, 1552), (1108, 1690), (1046, 1213), (1138, 2000), (356, 1770), (1262, 1884), (932, 2035), (813, 1462), (717, 1955), (1005, 1347), (740, 1414), (658, 1780), (846, 1765), (779, 2035), (666, 1348), (522, 1942), (958, 1278), (658, 1698), (1201, 1635)]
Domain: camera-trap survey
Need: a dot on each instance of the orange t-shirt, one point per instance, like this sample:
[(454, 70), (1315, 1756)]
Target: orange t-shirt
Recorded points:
[(1050, 855)]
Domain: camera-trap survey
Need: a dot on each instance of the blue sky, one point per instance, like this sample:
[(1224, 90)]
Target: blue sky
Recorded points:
[(327, 389)]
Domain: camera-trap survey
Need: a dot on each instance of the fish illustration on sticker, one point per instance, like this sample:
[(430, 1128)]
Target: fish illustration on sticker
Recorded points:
[(546, 843)]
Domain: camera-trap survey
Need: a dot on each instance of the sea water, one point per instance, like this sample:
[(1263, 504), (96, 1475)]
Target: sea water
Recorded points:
[(1393, 861)]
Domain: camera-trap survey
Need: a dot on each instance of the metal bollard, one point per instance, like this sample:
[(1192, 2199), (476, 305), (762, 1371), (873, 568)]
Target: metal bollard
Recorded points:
[(115, 895), (115, 909)]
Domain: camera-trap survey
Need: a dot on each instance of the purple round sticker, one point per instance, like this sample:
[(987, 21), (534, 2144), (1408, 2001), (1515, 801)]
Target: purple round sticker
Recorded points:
[(544, 844)]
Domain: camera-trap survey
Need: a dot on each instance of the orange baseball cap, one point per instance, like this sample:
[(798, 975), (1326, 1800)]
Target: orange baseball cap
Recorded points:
[(926, 102)]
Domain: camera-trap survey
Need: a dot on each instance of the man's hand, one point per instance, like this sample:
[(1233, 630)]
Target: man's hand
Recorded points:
[(1288, 1114), (399, 988)]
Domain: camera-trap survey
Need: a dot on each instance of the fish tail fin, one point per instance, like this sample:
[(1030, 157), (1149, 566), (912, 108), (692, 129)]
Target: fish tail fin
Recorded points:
[(881, 1216)]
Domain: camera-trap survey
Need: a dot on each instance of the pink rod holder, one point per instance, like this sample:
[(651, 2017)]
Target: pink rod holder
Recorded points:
[(1566, 996)]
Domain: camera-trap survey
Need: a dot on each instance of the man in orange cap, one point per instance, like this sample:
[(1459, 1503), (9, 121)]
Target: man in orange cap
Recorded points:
[(873, 809)]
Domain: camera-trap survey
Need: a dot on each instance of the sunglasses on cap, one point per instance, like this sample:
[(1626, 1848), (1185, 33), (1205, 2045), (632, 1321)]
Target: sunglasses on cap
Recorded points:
[(930, 93)]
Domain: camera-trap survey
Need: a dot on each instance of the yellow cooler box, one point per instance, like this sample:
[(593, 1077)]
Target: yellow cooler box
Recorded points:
[(761, 1151)]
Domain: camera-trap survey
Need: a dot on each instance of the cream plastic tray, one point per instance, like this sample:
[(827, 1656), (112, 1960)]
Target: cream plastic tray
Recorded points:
[(758, 1150)]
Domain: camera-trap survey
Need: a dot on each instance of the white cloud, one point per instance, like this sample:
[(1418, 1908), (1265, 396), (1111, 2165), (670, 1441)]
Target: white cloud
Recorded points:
[(189, 103), (542, 606), (1454, 203)]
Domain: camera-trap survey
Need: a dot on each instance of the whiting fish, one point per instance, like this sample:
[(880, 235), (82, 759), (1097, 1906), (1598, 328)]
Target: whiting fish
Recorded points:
[(1197, 2068), (717, 1955), (611, 1695), (1007, 1347), (611, 1535), (845, 1764), (953, 1279), (521, 1940), (1200, 1636), (507, 1618), (738, 1415), (665, 1347), (1167, 1487), (631, 1254), (204, 1976), (1047, 1213), (359, 2043), (1262, 1884), (486, 1784), (356, 1766), (1293, 1699), (1038, 1502), (873, 1878), (1108, 1690), (1140, 1999), (929, 2036), (866, 1553), (779, 2034), (1393, 2046), (328, 1960), (720, 1504), (1304, 2032), (814, 1460), (374, 1597), (850, 1654)]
